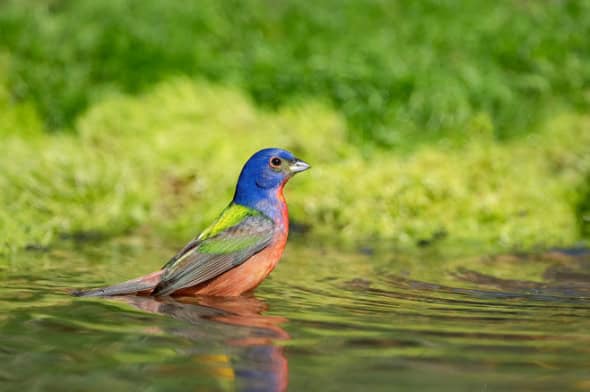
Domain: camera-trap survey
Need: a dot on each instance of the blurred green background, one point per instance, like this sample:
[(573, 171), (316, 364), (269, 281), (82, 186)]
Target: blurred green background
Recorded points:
[(427, 122)]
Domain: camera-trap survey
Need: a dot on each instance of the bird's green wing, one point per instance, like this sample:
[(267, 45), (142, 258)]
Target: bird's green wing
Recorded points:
[(234, 237)]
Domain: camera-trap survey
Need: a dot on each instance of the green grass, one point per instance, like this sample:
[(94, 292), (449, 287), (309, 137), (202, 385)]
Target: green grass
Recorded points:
[(402, 73), (163, 163), (448, 122)]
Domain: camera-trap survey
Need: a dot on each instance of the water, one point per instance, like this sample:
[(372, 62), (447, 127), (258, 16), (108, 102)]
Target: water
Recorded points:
[(324, 321)]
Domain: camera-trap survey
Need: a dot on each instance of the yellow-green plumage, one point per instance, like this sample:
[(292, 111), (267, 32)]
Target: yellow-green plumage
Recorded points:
[(230, 216), (242, 234)]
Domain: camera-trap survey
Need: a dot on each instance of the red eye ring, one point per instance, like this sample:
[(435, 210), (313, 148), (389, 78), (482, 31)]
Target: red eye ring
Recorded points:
[(275, 162)]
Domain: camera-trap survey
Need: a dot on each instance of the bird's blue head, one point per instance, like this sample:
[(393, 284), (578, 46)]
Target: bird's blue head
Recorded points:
[(262, 179)]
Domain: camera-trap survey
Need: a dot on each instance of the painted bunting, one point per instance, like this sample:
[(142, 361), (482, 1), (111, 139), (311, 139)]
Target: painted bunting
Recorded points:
[(242, 246)]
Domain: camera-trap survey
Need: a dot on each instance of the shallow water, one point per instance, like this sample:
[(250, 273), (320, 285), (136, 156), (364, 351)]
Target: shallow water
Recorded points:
[(324, 321)]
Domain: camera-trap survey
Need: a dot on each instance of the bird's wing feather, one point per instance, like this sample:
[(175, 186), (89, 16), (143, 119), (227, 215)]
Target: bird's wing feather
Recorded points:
[(182, 252), (237, 234)]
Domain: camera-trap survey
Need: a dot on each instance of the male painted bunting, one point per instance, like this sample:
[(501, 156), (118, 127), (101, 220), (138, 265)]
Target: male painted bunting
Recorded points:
[(238, 251)]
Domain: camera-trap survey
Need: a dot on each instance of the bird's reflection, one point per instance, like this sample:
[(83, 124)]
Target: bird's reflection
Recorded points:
[(247, 338)]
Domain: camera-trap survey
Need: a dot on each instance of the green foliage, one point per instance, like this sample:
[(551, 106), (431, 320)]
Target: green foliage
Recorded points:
[(405, 109), (401, 72), (167, 161), (15, 118)]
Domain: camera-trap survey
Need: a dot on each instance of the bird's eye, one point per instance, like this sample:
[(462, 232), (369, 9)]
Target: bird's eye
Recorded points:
[(275, 162)]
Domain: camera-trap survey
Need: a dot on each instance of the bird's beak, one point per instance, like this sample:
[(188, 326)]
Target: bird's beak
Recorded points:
[(298, 165)]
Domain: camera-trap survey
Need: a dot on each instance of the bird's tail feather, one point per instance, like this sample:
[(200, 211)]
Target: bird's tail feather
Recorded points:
[(133, 286)]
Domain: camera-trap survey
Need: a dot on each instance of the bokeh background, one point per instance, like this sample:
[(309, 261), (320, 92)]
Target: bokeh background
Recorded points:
[(427, 123)]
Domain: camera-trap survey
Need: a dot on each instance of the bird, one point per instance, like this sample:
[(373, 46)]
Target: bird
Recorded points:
[(239, 249)]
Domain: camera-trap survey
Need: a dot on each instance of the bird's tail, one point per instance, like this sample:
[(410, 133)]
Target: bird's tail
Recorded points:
[(144, 283)]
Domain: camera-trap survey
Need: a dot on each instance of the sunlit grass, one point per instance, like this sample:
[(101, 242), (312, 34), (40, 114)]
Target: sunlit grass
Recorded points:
[(166, 162)]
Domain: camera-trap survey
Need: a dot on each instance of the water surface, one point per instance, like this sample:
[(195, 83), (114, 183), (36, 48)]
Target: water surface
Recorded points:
[(325, 320)]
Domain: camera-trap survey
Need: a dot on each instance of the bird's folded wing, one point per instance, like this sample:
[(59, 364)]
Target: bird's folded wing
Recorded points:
[(220, 250)]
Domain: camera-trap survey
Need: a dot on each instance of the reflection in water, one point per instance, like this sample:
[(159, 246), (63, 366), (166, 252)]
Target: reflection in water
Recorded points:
[(248, 338), (501, 323)]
